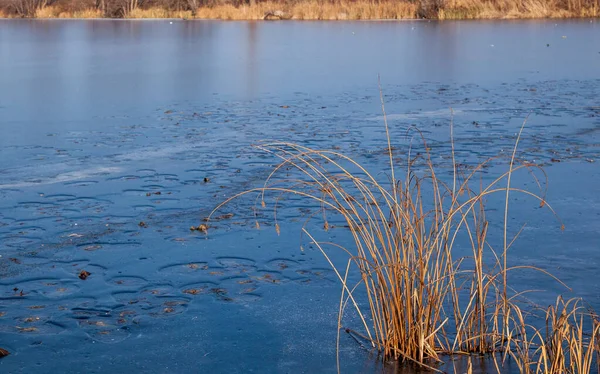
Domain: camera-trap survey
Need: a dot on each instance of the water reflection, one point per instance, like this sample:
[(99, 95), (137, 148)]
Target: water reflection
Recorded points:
[(252, 71), (69, 67)]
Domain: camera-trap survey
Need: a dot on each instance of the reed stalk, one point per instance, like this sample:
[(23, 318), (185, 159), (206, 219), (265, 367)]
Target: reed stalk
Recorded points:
[(417, 293)]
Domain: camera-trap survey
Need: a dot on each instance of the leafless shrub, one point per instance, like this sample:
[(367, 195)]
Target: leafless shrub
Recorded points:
[(27, 8)]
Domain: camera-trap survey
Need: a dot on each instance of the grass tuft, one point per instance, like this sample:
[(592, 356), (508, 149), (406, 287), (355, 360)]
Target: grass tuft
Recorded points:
[(508, 9), (313, 10), (86, 14), (569, 343), (55, 12), (230, 12), (47, 12), (158, 13), (422, 295)]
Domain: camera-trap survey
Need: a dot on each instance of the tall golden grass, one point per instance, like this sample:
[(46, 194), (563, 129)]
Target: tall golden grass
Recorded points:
[(158, 13), (423, 298), (230, 12), (47, 12), (348, 10), (55, 12), (138, 13), (313, 10), (371, 10), (512, 9), (569, 343)]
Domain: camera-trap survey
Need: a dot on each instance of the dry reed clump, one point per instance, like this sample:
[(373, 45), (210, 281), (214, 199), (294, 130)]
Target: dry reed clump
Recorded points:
[(55, 12), (86, 13), (47, 12), (568, 344), (81, 14), (369, 10), (139, 13), (230, 12), (313, 10), (355, 10), (424, 298), (325, 10), (510, 9)]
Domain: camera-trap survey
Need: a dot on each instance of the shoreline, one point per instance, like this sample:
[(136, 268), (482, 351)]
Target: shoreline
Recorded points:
[(311, 10), (295, 19)]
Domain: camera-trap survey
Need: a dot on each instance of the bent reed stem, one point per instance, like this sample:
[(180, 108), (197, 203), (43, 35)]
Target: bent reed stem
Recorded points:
[(419, 301)]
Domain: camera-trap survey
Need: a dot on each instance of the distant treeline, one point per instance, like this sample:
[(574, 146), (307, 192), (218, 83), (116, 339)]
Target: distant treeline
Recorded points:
[(300, 9)]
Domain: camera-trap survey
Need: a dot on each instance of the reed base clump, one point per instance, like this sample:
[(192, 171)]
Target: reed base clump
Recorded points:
[(419, 296)]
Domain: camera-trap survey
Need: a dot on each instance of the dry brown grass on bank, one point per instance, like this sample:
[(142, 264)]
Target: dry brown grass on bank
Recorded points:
[(355, 11), (323, 10), (518, 9), (369, 10), (55, 12), (230, 12), (420, 298), (87, 13), (47, 12), (313, 10), (158, 13)]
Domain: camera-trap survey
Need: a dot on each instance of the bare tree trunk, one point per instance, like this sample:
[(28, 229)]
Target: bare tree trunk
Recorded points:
[(193, 5), (130, 6), (101, 6), (27, 8)]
